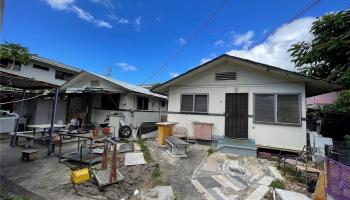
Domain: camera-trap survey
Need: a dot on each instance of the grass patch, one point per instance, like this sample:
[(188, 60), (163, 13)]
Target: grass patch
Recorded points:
[(277, 184), (146, 153), (211, 151), (291, 173), (156, 178)]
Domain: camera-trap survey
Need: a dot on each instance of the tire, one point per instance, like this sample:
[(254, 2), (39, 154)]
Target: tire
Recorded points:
[(125, 131)]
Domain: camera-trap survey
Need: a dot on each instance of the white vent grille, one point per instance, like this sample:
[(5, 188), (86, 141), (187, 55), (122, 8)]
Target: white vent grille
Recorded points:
[(225, 76)]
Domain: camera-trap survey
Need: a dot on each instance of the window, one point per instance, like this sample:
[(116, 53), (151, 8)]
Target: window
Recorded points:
[(110, 101), (142, 103), (288, 109), (264, 108), (277, 108), (40, 67), (63, 75), (163, 103), (7, 63), (194, 103)]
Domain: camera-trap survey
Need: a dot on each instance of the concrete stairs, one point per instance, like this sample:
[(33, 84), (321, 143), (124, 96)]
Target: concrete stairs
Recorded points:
[(237, 147)]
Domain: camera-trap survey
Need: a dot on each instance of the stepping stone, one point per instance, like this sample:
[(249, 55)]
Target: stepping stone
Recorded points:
[(225, 183), (289, 195), (276, 173), (236, 182), (258, 193), (208, 182), (217, 194), (266, 180), (202, 190)]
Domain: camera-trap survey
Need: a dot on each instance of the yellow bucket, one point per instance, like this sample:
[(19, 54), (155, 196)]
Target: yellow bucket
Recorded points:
[(81, 175)]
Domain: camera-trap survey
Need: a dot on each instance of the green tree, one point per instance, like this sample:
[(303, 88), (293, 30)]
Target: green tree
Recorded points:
[(14, 53), (327, 56)]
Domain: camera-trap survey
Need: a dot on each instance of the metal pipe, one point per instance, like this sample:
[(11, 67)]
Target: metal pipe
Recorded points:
[(53, 116), (13, 139)]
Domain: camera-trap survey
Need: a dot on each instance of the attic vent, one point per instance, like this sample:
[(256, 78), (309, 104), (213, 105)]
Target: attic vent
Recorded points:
[(225, 76), (95, 83)]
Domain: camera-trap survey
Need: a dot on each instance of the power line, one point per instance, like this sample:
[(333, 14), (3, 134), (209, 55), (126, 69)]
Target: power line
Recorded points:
[(192, 37), (267, 36)]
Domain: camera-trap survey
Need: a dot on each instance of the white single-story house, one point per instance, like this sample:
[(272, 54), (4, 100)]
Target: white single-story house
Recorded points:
[(93, 98), (244, 99)]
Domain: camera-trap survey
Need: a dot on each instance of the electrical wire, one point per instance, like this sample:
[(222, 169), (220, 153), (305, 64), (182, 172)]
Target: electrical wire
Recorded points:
[(268, 35), (191, 38), (16, 101)]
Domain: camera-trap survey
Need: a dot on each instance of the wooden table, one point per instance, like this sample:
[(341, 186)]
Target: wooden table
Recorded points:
[(44, 127)]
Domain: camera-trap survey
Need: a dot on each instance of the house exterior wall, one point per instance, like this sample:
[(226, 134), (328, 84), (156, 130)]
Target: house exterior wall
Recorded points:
[(38, 74), (248, 81), (128, 107)]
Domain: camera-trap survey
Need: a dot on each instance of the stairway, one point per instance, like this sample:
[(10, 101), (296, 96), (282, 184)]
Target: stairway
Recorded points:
[(237, 147)]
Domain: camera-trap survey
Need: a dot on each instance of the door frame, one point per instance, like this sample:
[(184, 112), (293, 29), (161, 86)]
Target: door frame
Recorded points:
[(246, 121)]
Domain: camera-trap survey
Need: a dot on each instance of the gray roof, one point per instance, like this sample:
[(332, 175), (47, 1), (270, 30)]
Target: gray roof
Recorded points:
[(55, 63), (126, 86), (313, 86)]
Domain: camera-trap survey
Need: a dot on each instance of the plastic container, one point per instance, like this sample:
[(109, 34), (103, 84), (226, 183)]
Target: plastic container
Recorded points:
[(80, 176)]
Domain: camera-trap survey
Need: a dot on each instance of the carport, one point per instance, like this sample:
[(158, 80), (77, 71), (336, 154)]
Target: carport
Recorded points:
[(25, 85)]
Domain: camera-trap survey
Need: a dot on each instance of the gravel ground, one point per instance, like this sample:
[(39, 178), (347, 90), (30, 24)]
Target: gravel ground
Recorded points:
[(178, 172)]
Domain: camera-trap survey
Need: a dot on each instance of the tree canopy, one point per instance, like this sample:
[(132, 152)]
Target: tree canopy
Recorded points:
[(15, 53), (327, 56)]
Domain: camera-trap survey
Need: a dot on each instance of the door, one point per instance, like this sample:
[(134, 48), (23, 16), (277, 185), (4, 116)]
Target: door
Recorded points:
[(236, 115)]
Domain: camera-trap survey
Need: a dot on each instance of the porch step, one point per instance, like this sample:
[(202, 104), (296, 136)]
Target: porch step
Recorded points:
[(238, 147)]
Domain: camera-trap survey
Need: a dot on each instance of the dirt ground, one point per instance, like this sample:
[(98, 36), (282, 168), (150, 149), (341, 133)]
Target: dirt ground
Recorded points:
[(178, 172)]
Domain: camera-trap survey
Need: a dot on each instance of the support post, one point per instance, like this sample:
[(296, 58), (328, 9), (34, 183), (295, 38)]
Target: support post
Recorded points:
[(13, 139), (53, 116)]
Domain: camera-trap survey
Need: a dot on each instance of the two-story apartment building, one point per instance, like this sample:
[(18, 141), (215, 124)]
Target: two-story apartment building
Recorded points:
[(38, 110)]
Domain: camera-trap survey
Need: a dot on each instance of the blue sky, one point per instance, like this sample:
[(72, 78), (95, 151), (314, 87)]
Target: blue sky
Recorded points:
[(136, 37)]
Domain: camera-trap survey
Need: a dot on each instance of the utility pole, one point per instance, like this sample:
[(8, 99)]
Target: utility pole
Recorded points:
[(108, 71)]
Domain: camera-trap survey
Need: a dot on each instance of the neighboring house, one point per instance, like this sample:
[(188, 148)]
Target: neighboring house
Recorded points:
[(93, 98), (55, 74), (244, 99), (321, 100), (41, 69)]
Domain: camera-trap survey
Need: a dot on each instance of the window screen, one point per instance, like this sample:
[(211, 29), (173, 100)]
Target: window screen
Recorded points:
[(288, 109), (194, 103), (264, 108), (142, 103), (201, 103), (187, 103), (110, 101)]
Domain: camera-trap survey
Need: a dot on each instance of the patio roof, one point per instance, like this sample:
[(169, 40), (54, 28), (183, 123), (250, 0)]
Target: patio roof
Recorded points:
[(15, 81)]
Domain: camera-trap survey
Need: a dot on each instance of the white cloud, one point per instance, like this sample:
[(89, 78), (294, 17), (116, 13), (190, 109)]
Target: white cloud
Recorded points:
[(174, 74), (101, 23), (105, 3), (244, 40), (219, 43), (123, 21), (206, 59), (274, 50), (86, 16), (137, 23), (126, 66), (60, 4), (181, 41), (119, 20), (68, 5)]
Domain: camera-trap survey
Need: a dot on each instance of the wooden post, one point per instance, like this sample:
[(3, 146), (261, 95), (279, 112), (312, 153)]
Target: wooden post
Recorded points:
[(53, 117), (113, 174)]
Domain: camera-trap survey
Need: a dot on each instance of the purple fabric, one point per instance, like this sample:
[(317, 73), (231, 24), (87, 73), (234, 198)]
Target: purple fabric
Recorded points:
[(338, 180)]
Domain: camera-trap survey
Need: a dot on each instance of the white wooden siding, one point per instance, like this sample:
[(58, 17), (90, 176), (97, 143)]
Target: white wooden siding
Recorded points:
[(248, 81)]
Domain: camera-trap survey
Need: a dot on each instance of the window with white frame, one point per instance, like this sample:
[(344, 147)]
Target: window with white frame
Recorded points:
[(194, 103), (277, 108)]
